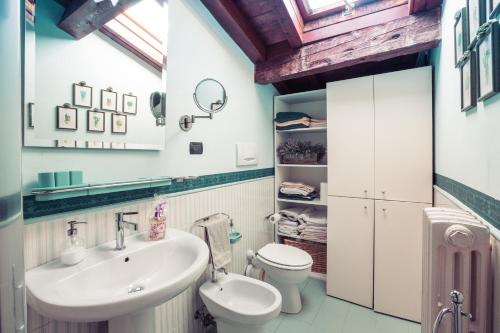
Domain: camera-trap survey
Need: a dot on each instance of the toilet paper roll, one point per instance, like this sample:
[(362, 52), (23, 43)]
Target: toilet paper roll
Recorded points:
[(274, 218)]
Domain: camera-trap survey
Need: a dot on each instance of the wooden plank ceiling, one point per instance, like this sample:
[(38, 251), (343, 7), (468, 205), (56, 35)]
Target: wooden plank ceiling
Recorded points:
[(299, 55)]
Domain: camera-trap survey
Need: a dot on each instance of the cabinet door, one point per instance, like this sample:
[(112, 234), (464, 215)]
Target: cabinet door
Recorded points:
[(350, 249), (398, 258), (350, 138), (403, 135)]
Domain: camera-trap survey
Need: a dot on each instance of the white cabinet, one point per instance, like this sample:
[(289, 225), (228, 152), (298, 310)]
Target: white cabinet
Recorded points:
[(398, 258), (351, 127), (403, 135), (379, 156), (350, 249)]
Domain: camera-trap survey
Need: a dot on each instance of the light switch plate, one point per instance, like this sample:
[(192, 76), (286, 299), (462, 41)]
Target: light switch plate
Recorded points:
[(196, 148)]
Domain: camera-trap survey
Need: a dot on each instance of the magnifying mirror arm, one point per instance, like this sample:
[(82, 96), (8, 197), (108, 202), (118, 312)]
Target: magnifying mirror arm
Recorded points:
[(193, 117)]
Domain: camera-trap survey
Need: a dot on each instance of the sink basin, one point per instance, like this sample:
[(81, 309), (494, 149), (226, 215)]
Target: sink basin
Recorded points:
[(110, 284)]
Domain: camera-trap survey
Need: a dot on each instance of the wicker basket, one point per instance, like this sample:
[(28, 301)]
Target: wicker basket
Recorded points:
[(316, 250)]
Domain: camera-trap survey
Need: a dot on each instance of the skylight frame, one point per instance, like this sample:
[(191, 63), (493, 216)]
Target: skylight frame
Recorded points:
[(126, 31), (336, 7)]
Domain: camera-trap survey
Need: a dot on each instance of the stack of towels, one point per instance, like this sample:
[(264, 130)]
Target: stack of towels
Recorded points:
[(297, 191), (311, 223), (292, 120)]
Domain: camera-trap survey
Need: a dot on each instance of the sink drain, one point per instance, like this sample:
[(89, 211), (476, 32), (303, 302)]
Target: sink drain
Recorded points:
[(135, 289)]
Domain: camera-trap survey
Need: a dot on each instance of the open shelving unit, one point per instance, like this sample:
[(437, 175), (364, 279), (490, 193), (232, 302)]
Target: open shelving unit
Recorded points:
[(314, 104)]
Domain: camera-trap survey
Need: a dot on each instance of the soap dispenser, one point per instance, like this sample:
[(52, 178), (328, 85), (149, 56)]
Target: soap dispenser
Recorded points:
[(74, 248)]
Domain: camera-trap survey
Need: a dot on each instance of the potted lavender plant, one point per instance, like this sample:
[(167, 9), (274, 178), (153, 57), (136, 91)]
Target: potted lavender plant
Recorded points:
[(298, 152)]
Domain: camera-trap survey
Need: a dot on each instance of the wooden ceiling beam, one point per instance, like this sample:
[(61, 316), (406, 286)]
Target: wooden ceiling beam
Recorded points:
[(83, 17), (407, 35), (229, 16), (417, 6), (290, 21), (357, 23)]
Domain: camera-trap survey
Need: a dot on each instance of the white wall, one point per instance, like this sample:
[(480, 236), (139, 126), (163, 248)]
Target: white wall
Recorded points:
[(197, 48), (467, 145)]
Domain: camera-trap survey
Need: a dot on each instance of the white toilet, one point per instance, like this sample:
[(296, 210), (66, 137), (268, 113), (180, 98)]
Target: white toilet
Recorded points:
[(240, 304), (285, 268)]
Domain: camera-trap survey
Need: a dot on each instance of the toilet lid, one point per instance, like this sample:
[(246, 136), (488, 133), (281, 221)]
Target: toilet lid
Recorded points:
[(285, 255)]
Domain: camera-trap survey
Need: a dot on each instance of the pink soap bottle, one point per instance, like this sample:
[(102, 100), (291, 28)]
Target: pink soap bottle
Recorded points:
[(158, 224)]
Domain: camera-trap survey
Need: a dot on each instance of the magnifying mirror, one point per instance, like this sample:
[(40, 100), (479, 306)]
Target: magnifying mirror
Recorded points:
[(210, 97)]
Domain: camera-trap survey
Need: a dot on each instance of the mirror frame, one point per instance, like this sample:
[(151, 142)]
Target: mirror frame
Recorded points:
[(203, 108)]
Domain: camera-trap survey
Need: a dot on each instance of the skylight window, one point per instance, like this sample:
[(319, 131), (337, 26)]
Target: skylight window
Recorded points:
[(315, 5), (142, 29)]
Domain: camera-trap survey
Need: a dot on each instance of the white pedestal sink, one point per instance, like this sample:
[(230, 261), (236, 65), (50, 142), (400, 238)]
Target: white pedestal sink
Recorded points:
[(122, 287)]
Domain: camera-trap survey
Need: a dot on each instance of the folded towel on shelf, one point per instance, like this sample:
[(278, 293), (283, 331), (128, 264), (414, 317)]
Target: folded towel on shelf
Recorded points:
[(302, 121), (296, 191), (291, 231), (286, 116), (217, 231), (314, 238), (317, 123), (291, 213), (311, 196), (288, 223), (313, 216)]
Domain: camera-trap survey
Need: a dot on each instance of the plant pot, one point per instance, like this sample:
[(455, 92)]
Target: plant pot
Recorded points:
[(300, 159)]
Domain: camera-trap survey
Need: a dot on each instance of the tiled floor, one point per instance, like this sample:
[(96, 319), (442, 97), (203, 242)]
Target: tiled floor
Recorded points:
[(325, 314)]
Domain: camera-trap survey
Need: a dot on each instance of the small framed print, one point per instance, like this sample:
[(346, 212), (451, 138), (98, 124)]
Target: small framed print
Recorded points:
[(476, 12), (82, 95), (461, 34), (118, 123), (67, 118), (109, 100), (129, 104), (468, 83), (96, 121), (488, 64)]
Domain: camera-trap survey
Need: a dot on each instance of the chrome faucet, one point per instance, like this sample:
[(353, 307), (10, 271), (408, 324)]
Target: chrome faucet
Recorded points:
[(121, 224), (215, 271), (457, 301)]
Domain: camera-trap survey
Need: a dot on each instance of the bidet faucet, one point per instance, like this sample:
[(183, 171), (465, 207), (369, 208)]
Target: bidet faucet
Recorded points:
[(214, 273), (121, 224)]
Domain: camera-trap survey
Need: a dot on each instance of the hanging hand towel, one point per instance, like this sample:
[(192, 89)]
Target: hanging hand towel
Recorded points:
[(218, 239)]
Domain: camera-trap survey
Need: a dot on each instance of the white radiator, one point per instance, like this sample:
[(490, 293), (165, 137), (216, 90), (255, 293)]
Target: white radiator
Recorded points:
[(456, 255)]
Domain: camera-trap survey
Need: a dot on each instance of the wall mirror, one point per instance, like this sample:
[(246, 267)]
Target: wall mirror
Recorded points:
[(93, 91), (209, 96)]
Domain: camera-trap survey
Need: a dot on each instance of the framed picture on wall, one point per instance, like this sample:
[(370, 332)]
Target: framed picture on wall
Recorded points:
[(67, 118), (468, 83), (488, 63), (82, 95), (129, 104), (461, 34), (96, 121), (118, 123), (476, 11), (109, 100)]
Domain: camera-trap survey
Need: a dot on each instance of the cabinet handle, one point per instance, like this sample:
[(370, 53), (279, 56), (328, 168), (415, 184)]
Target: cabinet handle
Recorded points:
[(365, 207), (384, 210)]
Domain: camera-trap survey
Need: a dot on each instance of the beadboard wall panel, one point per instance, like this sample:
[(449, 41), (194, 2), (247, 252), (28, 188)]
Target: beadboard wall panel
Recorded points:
[(247, 203)]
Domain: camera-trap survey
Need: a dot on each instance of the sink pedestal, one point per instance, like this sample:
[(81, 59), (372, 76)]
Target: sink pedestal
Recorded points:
[(139, 322)]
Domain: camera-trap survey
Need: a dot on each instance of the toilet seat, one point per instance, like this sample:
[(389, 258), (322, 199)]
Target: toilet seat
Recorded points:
[(285, 257)]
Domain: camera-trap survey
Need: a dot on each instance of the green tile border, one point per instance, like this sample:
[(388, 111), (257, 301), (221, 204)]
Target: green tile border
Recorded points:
[(485, 206), (35, 209)]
